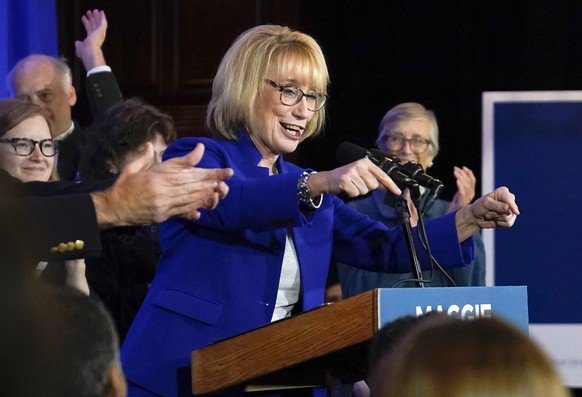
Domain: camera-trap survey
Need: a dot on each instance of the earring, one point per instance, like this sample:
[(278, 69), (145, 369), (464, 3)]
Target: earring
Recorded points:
[(113, 170)]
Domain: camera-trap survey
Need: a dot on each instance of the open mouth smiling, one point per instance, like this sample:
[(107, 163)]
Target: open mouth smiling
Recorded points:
[(293, 129)]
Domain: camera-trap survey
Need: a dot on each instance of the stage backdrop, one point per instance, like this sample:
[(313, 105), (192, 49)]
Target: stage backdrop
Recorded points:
[(532, 143), (26, 27)]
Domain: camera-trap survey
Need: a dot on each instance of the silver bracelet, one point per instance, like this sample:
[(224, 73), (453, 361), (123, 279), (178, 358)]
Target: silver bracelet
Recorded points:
[(304, 194)]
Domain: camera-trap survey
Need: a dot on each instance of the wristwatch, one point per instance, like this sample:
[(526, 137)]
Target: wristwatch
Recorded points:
[(304, 194)]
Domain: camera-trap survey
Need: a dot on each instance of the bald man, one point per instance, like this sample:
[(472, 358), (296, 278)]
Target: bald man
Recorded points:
[(48, 82)]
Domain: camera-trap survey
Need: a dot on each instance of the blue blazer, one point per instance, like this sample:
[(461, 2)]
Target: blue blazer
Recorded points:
[(219, 276)]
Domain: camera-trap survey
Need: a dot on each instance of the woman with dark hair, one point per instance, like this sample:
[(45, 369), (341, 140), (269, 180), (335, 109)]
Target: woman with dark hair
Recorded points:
[(120, 135), (121, 276)]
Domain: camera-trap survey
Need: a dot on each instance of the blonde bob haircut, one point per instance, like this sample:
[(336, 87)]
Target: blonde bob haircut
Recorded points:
[(237, 86)]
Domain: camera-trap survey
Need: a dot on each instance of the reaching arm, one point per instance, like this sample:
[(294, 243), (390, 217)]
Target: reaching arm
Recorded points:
[(144, 194), (354, 179), (495, 209)]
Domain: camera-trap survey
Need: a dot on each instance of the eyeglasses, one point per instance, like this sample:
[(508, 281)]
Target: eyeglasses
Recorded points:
[(417, 144), (25, 146), (291, 95)]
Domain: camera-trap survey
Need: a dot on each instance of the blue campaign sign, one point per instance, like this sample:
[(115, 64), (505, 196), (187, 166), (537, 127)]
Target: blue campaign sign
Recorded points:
[(535, 150), (462, 302), (532, 143)]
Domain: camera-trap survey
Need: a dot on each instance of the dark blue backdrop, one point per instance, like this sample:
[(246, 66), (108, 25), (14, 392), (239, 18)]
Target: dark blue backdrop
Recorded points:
[(538, 150), (26, 27), (531, 143)]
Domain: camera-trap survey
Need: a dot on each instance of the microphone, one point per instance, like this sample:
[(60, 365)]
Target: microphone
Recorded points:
[(434, 186), (413, 170), (348, 152), (416, 172)]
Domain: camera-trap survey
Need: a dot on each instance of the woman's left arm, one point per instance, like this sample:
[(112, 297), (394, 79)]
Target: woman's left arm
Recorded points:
[(495, 209)]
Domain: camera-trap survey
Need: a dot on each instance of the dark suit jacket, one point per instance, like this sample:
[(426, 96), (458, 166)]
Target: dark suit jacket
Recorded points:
[(69, 154), (54, 214), (102, 93)]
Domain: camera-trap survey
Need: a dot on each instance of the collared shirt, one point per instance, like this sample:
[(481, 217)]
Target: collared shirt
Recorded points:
[(99, 69), (66, 133)]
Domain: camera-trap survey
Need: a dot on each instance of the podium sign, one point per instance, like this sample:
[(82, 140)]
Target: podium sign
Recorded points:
[(322, 345), (462, 302)]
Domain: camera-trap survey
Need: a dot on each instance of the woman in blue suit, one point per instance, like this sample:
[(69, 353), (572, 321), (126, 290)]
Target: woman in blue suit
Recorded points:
[(263, 252)]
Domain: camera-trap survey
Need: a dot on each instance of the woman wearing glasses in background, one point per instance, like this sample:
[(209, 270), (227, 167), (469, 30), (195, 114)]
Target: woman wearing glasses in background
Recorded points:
[(263, 252), (410, 132), (28, 152)]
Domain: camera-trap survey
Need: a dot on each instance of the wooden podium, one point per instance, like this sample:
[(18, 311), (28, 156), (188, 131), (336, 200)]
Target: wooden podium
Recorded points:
[(328, 344), (299, 351)]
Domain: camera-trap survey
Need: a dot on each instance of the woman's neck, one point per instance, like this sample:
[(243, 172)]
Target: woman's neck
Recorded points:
[(269, 159), (269, 162)]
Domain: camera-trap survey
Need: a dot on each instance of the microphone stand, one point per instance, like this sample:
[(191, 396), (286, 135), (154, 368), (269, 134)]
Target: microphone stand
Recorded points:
[(403, 211), (435, 187)]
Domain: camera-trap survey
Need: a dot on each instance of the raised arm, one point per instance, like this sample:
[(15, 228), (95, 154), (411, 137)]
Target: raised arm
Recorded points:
[(90, 49), (101, 86)]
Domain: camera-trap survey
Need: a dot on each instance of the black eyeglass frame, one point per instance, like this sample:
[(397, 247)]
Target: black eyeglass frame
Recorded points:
[(299, 95), (14, 142)]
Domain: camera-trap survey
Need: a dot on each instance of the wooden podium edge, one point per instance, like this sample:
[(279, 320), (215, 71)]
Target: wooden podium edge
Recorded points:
[(293, 352)]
